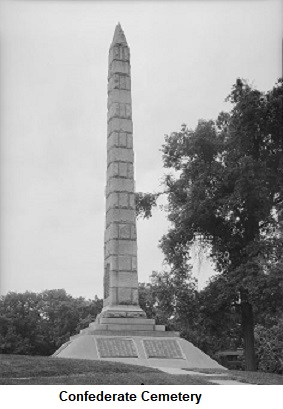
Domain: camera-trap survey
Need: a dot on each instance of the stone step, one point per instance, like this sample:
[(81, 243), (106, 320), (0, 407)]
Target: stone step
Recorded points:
[(103, 333), (160, 328), (121, 328), (94, 326), (139, 321), (134, 327), (118, 327)]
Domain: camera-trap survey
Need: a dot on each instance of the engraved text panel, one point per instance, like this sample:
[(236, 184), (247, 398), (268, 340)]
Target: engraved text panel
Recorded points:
[(162, 348), (116, 348)]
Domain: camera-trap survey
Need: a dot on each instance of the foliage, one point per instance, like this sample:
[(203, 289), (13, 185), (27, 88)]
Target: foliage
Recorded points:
[(225, 192), (144, 204), (158, 297), (39, 323), (228, 188), (269, 347)]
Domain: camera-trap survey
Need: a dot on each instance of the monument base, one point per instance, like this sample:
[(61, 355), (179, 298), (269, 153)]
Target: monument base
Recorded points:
[(136, 341)]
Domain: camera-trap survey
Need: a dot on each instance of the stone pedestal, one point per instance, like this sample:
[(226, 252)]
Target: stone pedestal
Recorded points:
[(146, 348)]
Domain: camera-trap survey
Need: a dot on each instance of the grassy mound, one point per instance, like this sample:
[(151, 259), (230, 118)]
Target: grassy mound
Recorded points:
[(28, 370), (37, 370)]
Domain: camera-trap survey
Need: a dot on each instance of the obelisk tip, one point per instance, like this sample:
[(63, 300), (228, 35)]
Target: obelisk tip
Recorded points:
[(119, 36)]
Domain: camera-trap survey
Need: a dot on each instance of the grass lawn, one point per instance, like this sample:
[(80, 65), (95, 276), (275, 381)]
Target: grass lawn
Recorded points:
[(258, 378), (37, 370), (255, 378), (54, 371)]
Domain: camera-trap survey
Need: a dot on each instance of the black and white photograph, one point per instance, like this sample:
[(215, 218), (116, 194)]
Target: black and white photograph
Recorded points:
[(141, 197)]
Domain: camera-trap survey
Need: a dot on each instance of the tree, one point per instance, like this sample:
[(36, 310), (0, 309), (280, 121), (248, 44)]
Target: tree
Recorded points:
[(168, 302), (226, 191), (39, 323), (144, 204), (229, 182), (269, 346)]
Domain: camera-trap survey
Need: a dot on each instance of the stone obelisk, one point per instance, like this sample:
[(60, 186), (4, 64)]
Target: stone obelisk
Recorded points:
[(121, 332), (120, 247)]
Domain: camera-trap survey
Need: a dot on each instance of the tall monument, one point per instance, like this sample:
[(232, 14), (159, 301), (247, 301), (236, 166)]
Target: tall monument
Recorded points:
[(120, 249), (121, 332)]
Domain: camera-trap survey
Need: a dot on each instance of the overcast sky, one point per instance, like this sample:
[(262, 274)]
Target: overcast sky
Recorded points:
[(185, 57)]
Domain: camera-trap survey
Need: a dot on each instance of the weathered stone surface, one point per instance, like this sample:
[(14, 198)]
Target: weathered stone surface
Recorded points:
[(120, 155), (113, 200), (118, 52), (120, 140), (113, 296), (129, 140), (119, 95), (125, 82), (119, 125), (129, 320), (113, 170), (120, 230), (115, 314), (112, 232), (125, 264), (135, 296), (117, 184), (126, 111), (116, 347), (113, 263), (160, 328), (122, 263), (119, 169), (125, 278), (124, 231), (123, 140), (120, 216), (124, 296), (119, 110), (119, 37), (123, 170), (132, 327), (122, 247), (134, 263), (114, 110), (135, 314), (163, 348), (133, 232), (132, 200), (113, 140), (117, 66), (119, 81)]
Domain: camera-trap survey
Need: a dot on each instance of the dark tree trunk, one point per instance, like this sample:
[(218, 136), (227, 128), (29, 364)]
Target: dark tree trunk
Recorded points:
[(248, 333)]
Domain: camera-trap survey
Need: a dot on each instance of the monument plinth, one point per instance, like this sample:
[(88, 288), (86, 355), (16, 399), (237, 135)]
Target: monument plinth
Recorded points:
[(121, 332)]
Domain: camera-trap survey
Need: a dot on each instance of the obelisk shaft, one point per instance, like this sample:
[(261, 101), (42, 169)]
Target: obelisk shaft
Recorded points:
[(120, 248)]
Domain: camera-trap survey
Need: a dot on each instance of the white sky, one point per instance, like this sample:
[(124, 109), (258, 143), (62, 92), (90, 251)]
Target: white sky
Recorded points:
[(185, 57)]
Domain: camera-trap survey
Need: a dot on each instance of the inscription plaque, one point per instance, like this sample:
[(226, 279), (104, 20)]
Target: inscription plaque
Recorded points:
[(116, 348), (162, 348)]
